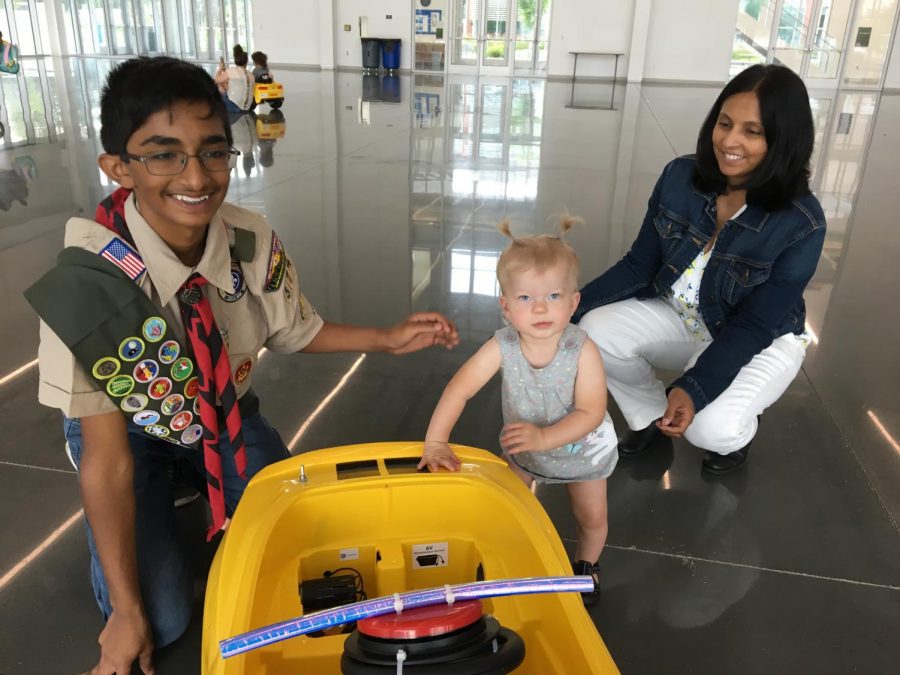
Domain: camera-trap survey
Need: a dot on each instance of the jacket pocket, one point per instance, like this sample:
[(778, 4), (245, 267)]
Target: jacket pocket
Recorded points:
[(743, 276), (670, 231)]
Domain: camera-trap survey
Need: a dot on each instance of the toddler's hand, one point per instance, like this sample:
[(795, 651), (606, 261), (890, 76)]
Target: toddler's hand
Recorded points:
[(522, 437), (438, 455), (420, 330)]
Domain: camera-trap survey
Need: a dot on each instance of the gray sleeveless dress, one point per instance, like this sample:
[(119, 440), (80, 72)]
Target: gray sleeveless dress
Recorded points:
[(543, 396)]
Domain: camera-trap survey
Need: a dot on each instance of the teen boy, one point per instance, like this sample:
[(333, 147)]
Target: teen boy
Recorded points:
[(151, 324)]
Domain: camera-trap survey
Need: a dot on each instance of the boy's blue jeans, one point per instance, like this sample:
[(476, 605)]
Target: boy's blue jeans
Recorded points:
[(163, 572)]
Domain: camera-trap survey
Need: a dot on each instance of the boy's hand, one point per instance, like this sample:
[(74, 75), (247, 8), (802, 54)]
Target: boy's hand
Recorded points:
[(438, 455), (522, 437), (125, 639), (420, 330)]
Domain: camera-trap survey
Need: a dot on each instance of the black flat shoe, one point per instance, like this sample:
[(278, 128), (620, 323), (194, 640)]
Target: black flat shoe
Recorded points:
[(633, 443), (586, 569), (719, 465)]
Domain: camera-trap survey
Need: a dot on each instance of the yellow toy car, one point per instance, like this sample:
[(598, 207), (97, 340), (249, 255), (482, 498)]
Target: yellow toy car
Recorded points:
[(270, 127), (359, 522), (269, 92)]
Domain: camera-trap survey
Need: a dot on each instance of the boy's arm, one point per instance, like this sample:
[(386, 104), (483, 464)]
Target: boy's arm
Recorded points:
[(106, 474), (467, 382), (417, 331), (590, 409)]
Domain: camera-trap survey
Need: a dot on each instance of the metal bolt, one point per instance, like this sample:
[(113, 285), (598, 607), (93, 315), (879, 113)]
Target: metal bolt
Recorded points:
[(303, 477)]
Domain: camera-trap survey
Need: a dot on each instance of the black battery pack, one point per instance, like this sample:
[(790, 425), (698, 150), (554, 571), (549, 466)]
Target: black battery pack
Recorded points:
[(328, 592)]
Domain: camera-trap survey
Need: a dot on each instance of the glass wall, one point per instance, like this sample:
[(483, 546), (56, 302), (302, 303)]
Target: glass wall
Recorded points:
[(828, 42), (201, 29)]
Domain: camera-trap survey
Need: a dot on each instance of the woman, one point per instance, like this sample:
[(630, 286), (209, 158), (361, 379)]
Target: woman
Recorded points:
[(236, 83), (713, 284)]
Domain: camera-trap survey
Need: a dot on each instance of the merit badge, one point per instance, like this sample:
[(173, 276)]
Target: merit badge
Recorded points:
[(157, 430), (131, 349), (173, 404), (106, 367), (154, 329), (145, 417), (120, 385), (124, 258), (160, 388), (134, 402), (237, 283), (182, 369), (277, 264), (192, 388), (242, 371), (197, 406), (181, 421), (169, 351), (192, 434), (146, 370)]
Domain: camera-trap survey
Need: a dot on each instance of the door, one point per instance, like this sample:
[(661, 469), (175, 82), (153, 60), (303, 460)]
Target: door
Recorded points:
[(480, 39), (810, 37), (532, 36)]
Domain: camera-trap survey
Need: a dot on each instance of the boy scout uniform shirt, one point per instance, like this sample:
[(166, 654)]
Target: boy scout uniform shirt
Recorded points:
[(267, 308)]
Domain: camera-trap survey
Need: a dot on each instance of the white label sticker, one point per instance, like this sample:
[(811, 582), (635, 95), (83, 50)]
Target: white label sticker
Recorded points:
[(349, 554), (430, 555)]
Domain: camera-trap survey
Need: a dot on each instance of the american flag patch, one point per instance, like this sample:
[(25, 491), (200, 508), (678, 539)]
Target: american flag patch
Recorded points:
[(124, 258)]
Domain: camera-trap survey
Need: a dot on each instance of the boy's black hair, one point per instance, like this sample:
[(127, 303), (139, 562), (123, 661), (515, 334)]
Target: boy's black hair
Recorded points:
[(260, 59), (138, 88), (239, 56), (787, 123)]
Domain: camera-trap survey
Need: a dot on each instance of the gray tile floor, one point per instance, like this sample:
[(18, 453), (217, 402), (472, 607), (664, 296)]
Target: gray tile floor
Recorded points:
[(792, 565)]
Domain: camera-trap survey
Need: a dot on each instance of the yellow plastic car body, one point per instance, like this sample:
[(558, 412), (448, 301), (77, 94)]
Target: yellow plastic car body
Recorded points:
[(366, 507), (268, 130), (271, 93)]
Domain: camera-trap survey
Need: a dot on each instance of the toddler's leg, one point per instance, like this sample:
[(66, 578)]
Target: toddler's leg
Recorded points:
[(524, 477), (588, 500)]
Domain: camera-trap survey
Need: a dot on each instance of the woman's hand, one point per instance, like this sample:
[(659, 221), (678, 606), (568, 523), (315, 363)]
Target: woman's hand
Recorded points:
[(522, 437), (679, 414), (420, 330), (438, 455)]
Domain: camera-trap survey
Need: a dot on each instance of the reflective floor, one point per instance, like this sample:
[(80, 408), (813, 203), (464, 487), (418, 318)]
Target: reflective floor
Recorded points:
[(387, 193)]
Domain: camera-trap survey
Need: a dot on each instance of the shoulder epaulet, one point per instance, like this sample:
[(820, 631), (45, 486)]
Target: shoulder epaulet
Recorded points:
[(244, 247)]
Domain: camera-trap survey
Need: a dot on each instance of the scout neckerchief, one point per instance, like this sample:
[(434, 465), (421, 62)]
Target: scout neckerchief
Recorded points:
[(212, 361)]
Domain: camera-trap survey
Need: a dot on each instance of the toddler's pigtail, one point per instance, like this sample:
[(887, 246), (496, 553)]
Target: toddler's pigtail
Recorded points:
[(503, 226), (566, 222)]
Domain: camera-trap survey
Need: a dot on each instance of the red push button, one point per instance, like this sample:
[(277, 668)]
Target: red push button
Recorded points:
[(422, 621)]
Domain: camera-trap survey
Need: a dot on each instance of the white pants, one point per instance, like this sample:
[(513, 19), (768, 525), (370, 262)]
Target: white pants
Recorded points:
[(634, 336)]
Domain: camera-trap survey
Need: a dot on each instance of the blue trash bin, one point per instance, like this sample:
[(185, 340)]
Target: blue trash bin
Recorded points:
[(390, 89), (390, 53)]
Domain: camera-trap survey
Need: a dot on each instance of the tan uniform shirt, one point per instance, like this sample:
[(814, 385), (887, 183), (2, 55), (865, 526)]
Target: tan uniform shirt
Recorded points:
[(249, 318)]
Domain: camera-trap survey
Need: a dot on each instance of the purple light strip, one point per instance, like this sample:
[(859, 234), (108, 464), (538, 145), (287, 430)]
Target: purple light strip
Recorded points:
[(309, 623)]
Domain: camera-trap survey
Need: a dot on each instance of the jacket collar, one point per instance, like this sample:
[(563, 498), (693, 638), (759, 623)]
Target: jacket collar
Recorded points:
[(753, 217)]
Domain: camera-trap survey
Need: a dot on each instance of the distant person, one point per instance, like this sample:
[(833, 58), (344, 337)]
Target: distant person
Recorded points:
[(236, 83), (261, 72)]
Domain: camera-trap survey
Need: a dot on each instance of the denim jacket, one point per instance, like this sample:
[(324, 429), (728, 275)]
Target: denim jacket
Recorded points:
[(752, 289)]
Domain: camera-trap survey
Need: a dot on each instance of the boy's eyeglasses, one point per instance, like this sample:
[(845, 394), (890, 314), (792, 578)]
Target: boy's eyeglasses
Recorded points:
[(172, 162)]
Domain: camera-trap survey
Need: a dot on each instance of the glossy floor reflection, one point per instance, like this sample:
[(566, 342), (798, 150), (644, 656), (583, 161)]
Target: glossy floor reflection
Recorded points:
[(387, 192)]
